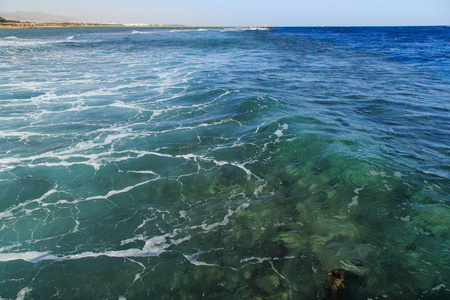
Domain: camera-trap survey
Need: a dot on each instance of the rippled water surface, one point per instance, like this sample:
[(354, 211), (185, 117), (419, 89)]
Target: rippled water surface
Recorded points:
[(224, 164)]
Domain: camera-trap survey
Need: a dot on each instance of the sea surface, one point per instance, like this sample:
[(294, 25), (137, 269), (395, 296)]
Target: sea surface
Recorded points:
[(224, 164)]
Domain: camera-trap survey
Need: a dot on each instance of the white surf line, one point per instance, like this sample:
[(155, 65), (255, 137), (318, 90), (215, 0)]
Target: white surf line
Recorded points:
[(282, 277), (193, 259), (93, 160), (260, 189), (137, 276), (200, 157), (63, 155), (223, 163), (155, 246), (8, 213), (124, 190), (142, 172), (256, 259), (240, 166), (30, 256), (224, 222), (196, 126), (23, 135), (76, 151)]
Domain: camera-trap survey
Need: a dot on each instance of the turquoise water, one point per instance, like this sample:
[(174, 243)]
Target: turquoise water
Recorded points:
[(224, 164)]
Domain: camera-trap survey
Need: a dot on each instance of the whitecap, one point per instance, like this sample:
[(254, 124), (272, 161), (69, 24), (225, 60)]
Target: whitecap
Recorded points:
[(12, 37)]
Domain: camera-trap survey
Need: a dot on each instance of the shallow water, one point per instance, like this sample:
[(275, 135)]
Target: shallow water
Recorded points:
[(224, 164)]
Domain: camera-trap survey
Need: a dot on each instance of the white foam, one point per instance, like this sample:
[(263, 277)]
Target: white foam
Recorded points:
[(224, 222), (406, 219), (124, 190), (239, 165), (354, 202), (355, 198), (77, 224), (356, 191), (256, 259), (139, 237), (31, 256), (74, 155), (6, 215), (259, 189), (13, 41), (144, 222), (143, 172), (179, 241), (183, 214), (23, 292), (193, 259), (279, 132), (398, 174), (9, 212), (153, 247), (438, 287), (226, 218)]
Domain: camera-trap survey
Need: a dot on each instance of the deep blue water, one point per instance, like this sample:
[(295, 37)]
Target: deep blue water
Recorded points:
[(224, 164)]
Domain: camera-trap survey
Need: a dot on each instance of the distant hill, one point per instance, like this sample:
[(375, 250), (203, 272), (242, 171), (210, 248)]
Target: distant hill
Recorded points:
[(35, 16)]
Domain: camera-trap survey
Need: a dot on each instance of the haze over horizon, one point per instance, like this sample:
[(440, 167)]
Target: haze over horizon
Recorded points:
[(246, 13)]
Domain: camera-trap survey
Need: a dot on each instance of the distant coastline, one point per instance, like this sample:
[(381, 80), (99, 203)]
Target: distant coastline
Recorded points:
[(26, 24)]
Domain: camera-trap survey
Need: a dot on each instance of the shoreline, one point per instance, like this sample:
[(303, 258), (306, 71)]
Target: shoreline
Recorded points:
[(26, 25)]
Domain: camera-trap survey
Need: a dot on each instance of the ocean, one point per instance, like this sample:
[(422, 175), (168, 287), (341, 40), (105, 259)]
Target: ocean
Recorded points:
[(224, 164)]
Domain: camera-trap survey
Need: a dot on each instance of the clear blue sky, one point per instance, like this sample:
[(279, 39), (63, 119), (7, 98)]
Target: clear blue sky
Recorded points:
[(245, 12)]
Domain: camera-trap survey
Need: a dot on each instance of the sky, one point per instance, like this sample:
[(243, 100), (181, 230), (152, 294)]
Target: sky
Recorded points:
[(245, 12)]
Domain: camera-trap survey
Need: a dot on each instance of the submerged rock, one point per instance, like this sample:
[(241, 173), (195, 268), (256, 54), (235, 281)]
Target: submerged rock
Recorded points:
[(334, 286)]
